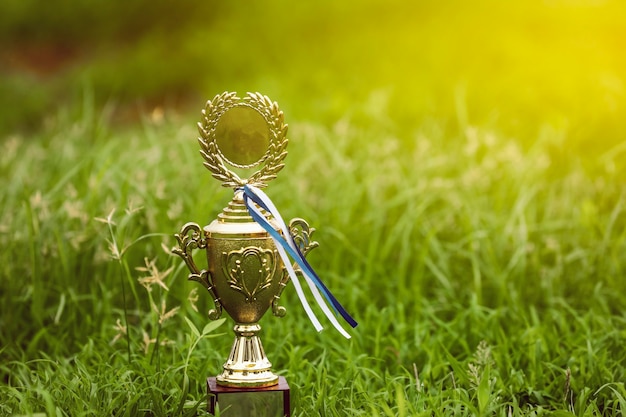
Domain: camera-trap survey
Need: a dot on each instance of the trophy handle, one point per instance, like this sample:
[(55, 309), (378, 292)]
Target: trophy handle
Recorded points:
[(190, 238), (301, 233)]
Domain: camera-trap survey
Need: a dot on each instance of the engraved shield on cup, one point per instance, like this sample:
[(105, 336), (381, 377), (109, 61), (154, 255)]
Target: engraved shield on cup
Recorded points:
[(250, 271)]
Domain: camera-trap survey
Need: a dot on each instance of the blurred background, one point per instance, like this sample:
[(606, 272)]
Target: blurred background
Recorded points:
[(464, 162), (514, 66)]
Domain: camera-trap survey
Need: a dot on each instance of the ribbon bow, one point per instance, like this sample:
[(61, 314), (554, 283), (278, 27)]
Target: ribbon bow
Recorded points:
[(286, 245)]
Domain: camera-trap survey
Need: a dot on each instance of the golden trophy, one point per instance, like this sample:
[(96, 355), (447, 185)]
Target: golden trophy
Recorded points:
[(243, 143)]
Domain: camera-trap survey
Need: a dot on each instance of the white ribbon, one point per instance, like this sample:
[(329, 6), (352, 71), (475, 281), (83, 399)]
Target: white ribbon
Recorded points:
[(260, 218)]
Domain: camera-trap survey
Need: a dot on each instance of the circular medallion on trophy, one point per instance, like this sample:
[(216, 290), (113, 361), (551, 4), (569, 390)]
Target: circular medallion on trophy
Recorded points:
[(243, 134)]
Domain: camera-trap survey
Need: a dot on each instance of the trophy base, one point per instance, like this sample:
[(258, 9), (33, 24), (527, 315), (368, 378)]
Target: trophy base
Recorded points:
[(273, 401), (247, 366), (249, 380)]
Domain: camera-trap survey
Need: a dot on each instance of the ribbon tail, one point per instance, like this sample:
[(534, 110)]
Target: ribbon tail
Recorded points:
[(331, 317), (285, 243), (329, 296), (296, 283), (258, 216)]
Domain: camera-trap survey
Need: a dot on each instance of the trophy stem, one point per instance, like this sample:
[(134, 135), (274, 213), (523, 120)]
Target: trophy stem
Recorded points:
[(247, 365)]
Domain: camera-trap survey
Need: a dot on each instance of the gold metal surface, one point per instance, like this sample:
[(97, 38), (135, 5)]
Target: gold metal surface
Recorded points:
[(231, 132), (244, 274)]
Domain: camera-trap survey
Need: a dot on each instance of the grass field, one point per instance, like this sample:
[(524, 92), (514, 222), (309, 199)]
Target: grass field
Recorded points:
[(464, 168)]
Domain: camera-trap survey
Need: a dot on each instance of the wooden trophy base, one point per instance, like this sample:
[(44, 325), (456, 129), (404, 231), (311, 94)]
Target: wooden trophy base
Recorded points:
[(271, 401)]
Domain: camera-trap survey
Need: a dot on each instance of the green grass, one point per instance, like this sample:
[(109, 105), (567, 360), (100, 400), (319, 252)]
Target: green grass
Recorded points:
[(463, 164), (486, 281)]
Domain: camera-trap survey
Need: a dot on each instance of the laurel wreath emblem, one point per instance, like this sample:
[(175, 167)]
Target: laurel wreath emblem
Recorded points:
[(273, 158)]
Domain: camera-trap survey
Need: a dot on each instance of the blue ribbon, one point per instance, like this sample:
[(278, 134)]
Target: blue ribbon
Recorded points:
[(294, 252)]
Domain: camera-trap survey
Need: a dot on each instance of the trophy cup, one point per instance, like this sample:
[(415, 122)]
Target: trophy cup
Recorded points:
[(245, 275)]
